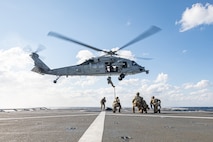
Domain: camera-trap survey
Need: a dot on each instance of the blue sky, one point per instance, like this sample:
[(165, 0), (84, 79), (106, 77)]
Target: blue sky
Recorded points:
[(180, 72)]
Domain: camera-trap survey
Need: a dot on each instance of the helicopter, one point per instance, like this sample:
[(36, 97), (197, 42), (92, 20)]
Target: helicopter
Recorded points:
[(106, 65)]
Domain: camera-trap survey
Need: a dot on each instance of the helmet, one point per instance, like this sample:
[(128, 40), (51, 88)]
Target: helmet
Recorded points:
[(137, 93)]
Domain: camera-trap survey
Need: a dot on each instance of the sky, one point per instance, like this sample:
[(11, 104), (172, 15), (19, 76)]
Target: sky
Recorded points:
[(180, 69)]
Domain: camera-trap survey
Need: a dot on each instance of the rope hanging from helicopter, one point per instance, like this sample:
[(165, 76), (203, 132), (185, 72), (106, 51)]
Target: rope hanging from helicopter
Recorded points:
[(114, 92), (110, 82)]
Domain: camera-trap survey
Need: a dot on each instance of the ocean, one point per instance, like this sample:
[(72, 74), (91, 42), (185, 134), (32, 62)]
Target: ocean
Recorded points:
[(97, 109), (210, 109), (188, 109)]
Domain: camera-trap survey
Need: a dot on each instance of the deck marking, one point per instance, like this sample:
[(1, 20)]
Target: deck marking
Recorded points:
[(43, 117), (95, 131), (165, 116)]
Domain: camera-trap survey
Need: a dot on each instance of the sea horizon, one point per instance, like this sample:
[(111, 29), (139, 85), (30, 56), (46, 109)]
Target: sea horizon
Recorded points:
[(188, 109)]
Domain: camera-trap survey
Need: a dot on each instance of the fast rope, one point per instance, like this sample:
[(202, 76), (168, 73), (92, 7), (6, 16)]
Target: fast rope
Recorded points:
[(114, 92)]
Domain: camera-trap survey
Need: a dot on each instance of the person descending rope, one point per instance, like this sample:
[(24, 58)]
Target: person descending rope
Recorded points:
[(109, 80)]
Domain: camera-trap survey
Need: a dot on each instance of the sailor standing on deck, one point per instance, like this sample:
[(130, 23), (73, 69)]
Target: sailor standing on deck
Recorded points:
[(103, 101)]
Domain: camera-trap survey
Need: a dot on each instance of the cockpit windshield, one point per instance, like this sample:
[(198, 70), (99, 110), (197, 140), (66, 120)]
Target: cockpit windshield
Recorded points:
[(134, 63)]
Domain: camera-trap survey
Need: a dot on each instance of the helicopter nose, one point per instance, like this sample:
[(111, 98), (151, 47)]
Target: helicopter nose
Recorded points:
[(142, 69)]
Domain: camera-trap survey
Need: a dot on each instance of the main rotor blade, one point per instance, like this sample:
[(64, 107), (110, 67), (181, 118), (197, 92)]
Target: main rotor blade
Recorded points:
[(144, 58), (152, 30), (73, 40)]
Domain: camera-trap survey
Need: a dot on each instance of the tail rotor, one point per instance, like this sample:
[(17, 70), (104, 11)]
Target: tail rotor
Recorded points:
[(30, 50)]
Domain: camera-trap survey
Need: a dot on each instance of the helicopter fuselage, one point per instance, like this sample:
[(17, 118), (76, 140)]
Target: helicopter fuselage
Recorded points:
[(97, 66), (102, 66), (106, 65)]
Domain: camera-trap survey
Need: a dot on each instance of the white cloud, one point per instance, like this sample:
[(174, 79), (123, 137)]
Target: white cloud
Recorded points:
[(199, 85), (84, 55), (195, 16), (190, 94), (162, 78), (126, 54), (126, 82), (13, 58), (202, 84), (86, 81), (22, 88)]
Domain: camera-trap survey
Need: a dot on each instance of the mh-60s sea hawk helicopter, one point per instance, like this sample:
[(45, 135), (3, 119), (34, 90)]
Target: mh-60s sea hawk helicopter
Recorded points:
[(106, 65)]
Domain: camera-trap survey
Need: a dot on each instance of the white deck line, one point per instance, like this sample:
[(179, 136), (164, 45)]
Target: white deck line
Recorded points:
[(165, 116), (43, 117), (95, 131)]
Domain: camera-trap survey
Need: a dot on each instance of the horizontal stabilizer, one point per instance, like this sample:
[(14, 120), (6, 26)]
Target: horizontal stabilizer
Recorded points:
[(38, 70), (40, 66)]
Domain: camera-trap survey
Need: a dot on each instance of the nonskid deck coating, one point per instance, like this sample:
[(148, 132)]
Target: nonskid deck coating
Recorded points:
[(70, 125)]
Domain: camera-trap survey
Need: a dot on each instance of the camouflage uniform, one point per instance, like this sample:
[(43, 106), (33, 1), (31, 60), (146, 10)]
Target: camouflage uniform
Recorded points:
[(156, 103), (103, 100), (116, 103), (145, 107), (137, 102)]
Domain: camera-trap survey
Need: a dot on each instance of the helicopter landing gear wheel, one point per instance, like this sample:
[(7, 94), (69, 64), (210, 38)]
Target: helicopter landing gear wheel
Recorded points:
[(55, 81), (121, 76)]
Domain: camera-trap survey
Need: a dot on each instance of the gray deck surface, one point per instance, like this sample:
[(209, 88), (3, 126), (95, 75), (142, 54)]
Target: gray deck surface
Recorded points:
[(69, 126)]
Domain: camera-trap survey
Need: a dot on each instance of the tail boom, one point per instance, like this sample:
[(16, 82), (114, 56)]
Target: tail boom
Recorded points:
[(40, 66)]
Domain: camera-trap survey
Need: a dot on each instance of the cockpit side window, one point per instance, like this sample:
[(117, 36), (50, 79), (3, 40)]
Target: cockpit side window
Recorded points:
[(134, 63), (87, 62)]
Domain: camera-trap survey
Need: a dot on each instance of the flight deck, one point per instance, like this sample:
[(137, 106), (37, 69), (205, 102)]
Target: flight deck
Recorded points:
[(77, 125)]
